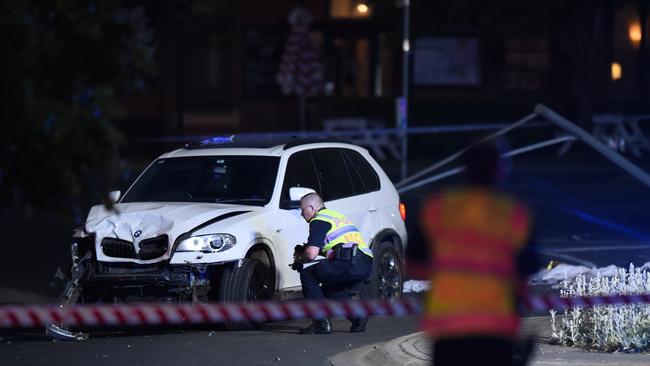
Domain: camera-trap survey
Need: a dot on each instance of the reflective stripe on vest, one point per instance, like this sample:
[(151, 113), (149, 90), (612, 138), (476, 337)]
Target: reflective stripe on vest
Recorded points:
[(474, 236), (343, 231)]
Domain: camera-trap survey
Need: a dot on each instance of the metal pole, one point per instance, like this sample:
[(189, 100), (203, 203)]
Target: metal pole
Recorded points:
[(643, 49), (538, 145), (585, 136), (509, 154), (406, 49), (436, 177), (455, 156)]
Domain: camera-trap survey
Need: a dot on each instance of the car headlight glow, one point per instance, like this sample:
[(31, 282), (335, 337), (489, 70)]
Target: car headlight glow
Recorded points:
[(207, 243)]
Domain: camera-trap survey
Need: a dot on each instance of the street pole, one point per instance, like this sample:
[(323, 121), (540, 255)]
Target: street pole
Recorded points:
[(643, 49), (403, 104)]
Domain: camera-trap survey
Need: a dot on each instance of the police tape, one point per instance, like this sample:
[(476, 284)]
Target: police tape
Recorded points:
[(101, 315), (202, 313), (538, 303)]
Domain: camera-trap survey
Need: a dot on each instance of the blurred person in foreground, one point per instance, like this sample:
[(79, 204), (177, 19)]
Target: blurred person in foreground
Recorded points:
[(477, 240)]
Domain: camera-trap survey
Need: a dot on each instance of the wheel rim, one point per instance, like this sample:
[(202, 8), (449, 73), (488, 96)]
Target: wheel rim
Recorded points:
[(389, 276), (260, 286)]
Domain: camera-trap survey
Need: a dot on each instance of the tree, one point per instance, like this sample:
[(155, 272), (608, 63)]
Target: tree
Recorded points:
[(64, 61)]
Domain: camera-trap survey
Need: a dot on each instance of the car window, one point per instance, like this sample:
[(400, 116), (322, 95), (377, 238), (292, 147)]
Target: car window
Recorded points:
[(364, 170), (300, 173), (226, 179), (355, 178), (333, 174)]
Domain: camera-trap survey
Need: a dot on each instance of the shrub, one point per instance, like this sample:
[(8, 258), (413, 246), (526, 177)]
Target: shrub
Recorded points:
[(609, 327)]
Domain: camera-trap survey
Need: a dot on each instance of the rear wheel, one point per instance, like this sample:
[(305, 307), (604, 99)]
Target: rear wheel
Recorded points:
[(250, 281), (387, 278)]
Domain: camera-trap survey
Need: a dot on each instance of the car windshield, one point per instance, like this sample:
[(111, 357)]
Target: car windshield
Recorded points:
[(236, 179)]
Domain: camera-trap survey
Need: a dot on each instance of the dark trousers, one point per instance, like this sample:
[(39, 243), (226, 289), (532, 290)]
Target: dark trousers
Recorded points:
[(330, 279), (475, 350)]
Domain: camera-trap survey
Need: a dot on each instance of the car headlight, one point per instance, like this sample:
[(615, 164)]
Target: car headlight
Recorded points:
[(207, 243)]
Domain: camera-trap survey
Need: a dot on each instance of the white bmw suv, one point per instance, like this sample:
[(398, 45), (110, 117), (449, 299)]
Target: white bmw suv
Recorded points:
[(219, 221)]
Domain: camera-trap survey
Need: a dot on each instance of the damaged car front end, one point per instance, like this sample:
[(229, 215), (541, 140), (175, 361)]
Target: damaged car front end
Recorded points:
[(169, 239), (130, 257)]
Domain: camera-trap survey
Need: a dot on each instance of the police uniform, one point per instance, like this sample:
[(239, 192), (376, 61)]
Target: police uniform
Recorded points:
[(349, 260)]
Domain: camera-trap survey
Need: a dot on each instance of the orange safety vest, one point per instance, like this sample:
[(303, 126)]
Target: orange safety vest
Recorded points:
[(474, 235)]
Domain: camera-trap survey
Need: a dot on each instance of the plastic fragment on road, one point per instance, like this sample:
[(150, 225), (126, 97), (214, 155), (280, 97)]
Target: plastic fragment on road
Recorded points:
[(60, 334)]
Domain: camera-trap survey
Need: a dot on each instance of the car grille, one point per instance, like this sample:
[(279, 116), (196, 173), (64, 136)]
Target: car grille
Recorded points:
[(118, 248), (149, 248), (153, 248)]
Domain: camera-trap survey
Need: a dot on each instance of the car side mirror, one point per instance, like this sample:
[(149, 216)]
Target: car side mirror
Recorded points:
[(111, 199), (114, 196), (295, 194)]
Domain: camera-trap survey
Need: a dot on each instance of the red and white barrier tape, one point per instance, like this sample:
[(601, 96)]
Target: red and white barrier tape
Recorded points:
[(172, 314), (538, 303)]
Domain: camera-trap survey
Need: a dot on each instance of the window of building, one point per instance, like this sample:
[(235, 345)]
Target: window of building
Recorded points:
[(360, 65), (352, 65), (526, 63), (350, 9), (207, 71)]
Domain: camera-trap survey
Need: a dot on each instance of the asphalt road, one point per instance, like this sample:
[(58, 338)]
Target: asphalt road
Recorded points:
[(274, 344)]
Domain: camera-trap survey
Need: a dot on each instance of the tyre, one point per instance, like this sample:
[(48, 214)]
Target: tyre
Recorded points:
[(248, 282), (387, 278)]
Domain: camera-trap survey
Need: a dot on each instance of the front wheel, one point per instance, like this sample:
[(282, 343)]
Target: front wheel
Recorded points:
[(387, 278), (249, 281)]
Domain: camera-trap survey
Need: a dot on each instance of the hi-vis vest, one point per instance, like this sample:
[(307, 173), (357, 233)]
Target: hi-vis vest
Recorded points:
[(343, 231), (474, 236)]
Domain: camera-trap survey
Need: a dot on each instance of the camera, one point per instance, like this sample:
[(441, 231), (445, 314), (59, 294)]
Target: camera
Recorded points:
[(298, 250)]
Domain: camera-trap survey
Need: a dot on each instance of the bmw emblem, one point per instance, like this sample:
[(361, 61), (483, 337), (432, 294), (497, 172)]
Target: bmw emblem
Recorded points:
[(137, 234)]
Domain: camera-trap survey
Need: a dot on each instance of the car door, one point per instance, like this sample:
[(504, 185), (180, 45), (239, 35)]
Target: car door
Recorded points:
[(343, 191), (291, 229)]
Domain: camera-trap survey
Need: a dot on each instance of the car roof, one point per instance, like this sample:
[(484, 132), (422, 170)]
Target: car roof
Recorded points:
[(268, 147)]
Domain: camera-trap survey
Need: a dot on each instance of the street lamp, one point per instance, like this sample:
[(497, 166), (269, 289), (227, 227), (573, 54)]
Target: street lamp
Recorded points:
[(362, 10), (617, 71), (634, 33)]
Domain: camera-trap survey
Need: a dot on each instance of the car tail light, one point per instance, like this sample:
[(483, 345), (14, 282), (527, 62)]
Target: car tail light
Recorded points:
[(402, 211)]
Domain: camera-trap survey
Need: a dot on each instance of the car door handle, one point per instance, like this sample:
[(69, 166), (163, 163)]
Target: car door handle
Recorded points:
[(372, 208)]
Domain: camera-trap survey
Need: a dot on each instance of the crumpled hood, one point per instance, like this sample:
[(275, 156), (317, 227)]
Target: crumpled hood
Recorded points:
[(138, 221)]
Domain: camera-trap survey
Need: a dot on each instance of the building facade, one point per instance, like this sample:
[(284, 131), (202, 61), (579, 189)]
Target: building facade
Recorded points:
[(470, 61)]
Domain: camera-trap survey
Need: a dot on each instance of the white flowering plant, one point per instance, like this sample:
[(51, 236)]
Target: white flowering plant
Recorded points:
[(610, 328)]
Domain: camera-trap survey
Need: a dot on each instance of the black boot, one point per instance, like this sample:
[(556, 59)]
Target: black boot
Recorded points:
[(358, 325), (318, 327)]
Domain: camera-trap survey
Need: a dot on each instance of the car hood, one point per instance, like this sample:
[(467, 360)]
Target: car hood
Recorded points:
[(138, 221)]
